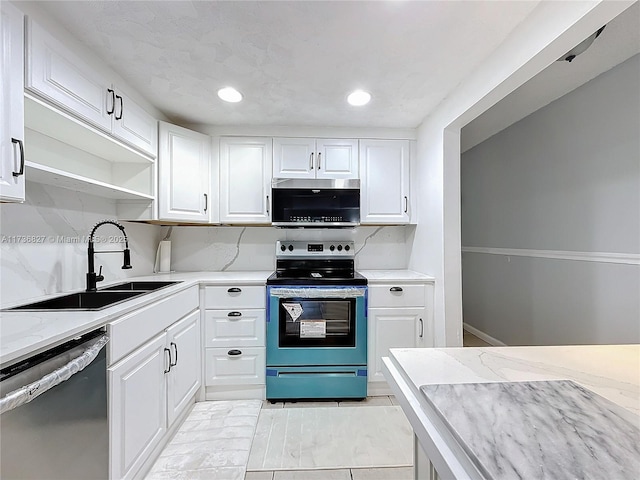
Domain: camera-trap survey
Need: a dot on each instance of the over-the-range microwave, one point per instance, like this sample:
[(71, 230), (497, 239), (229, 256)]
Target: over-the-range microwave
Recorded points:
[(314, 203)]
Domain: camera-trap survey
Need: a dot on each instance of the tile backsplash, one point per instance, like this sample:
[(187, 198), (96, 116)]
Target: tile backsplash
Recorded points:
[(43, 244)]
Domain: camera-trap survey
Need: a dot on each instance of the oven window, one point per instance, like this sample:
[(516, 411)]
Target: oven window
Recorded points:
[(317, 322)]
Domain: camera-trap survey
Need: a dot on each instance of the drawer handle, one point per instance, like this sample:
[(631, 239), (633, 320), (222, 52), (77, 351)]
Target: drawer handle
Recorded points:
[(395, 289), (234, 314), (234, 353), (234, 290), (168, 369), (175, 362)]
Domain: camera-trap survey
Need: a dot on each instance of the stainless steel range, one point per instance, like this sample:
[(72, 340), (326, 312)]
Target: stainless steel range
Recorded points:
[(316, 323)]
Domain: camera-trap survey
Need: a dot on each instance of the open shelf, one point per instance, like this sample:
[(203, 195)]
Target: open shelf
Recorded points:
[(53, 176)]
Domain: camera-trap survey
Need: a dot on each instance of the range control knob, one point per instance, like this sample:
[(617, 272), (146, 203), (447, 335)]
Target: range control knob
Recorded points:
[(291, 248), (339, 248), (283, 247), (332, 248), (347, 248)]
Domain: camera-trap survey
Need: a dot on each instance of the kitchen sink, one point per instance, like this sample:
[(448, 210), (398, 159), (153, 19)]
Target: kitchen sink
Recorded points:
[(81, 301), (103, 298), (138, 286)]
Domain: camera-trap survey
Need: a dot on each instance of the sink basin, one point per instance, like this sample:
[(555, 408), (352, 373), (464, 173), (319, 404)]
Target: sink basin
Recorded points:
[(138, 286), (81, 301)]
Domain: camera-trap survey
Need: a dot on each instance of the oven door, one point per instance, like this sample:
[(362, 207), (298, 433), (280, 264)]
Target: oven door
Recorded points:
[(316, 326)]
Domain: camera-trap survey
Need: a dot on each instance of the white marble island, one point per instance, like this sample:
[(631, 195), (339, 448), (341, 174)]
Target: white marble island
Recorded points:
[(611, 372)]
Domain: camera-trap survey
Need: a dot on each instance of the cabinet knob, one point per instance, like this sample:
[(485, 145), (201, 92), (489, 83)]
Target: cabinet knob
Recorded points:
[(234, 290), (395, 289), (234, 352)]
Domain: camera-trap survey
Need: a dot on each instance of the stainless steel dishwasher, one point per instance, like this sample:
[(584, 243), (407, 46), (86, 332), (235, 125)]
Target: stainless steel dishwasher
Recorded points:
[(53, 406)]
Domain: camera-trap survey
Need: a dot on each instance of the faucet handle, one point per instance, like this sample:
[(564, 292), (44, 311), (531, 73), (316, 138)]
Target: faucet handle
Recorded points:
[(99, 277)]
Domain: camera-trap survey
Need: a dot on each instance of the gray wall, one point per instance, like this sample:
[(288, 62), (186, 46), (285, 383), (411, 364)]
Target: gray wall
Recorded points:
[(565, 179)]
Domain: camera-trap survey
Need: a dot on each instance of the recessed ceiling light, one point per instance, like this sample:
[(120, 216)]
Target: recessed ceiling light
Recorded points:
[(359, 98), (230, 94)]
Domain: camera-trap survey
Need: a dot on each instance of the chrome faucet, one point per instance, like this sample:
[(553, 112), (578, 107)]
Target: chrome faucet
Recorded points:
[(92, 277)]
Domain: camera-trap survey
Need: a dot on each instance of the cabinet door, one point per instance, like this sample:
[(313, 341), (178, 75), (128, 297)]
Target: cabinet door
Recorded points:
[(184, 377), (132, 124), (183, 174), (60, 76), (137, 407), (294, 158), (11, 104), (392, 328), (337, 158), (384, 181), (245, 180)]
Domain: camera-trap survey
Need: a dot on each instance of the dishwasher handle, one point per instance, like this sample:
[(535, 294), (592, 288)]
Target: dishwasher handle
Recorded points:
[(33, 390)]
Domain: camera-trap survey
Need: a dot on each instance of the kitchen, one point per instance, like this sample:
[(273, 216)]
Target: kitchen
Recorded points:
[(61, 268)]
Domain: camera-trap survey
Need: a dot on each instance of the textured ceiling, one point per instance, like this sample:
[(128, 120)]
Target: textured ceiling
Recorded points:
[(619, 41), (294, 61)]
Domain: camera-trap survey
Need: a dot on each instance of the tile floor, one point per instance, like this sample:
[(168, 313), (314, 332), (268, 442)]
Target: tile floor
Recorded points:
[(230, 426), (382, 473)]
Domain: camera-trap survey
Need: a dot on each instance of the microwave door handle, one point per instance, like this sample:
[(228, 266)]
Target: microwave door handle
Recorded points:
[(33, 390)]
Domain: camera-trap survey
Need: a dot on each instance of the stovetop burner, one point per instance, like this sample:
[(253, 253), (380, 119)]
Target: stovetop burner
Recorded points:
[(315, 263)]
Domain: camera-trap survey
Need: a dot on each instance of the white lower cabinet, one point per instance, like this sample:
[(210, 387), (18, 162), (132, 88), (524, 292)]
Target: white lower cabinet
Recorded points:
[(184, 375), (137, 407), (235, 366), (154, 384), (235, 354), (399, 316), (392, 328)]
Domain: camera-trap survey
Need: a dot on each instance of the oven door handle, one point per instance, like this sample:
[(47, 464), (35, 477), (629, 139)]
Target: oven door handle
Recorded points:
[(33, 390)]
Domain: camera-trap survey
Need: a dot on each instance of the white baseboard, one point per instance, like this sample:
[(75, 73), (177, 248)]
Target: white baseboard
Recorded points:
[(483, 336)]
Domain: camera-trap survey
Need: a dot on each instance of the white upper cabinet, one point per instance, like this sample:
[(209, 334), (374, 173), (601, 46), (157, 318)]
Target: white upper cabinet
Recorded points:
[(58, 75), (245, 180), (315, 158), (11, 104), (183, 174), (132, 124), (384, 182)]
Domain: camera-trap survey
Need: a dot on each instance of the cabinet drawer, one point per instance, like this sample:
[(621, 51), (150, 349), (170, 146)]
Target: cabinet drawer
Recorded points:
[(246, 367), (396, 295), (133, 329), (229, 328), (235, 297)]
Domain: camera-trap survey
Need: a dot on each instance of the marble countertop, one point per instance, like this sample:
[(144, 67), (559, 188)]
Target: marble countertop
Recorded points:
[(25, 333), (610, 371), (406, 276)]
